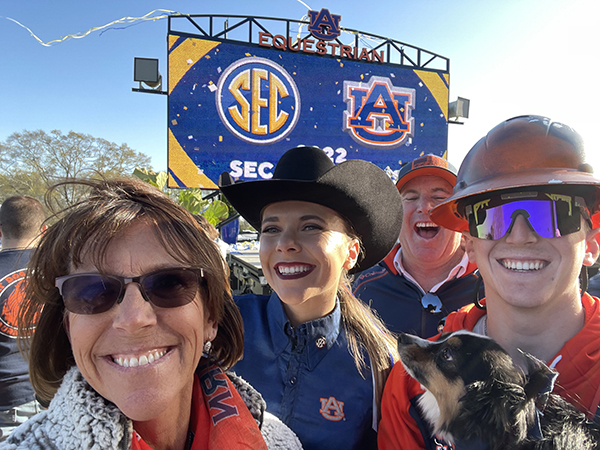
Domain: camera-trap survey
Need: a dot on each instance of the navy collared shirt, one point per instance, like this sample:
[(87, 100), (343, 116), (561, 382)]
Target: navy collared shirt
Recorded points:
[(307, 375)]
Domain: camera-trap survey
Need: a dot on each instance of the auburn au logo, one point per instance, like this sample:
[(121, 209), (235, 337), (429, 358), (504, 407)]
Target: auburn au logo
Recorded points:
[(332, 409), (12, 293), (324, 25), (258, 100), (378, 114)]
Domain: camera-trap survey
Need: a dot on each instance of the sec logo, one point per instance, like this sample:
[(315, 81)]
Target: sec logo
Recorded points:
[(258, 101)]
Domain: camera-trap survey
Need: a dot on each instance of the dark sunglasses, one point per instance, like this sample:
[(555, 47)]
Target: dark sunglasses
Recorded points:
[(549, 215), (94, 293)]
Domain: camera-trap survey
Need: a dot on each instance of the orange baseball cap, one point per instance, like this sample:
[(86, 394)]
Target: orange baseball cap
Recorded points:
[(427, 165)]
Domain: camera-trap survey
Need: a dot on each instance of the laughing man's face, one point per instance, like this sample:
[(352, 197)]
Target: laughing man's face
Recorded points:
[(421, 239)]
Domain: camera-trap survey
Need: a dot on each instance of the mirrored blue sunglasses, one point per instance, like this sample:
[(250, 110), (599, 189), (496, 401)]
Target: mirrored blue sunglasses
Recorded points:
[(547, 214)]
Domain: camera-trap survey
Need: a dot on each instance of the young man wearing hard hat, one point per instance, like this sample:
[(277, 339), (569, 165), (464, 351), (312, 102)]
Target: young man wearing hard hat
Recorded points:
[(529, 208)]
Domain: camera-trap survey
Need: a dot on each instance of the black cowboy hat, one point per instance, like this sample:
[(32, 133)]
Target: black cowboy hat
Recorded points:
[(357, 190)]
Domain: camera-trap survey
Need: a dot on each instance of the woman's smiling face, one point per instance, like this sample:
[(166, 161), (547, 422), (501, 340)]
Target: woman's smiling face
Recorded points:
[(139, 356), (304, 248)]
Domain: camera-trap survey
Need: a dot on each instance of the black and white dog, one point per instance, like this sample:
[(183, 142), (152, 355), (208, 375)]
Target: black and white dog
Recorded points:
[(474, 392)]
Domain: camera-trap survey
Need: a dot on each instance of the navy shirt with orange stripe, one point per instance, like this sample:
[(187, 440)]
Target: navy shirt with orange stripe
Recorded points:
[(307, 375), (398, 300)]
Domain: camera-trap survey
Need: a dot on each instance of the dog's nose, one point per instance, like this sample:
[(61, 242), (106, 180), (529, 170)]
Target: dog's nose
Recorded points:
[(405, 339)]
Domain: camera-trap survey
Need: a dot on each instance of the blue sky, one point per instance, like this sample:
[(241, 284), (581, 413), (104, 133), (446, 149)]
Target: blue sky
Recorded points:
[(508, 57)]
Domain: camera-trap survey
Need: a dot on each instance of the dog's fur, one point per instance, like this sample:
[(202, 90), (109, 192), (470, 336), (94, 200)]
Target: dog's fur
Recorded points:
[(474, 392)]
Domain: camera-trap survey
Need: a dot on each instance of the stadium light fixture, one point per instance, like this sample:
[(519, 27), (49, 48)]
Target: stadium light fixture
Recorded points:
[(458, 108), (145, 71)]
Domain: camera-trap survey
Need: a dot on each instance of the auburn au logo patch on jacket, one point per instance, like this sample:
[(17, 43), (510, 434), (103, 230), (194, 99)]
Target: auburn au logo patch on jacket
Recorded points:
[(332, 409)]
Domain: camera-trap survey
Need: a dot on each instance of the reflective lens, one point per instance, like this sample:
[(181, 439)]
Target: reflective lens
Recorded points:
[(549, 215), (431, 303), (94, 293)]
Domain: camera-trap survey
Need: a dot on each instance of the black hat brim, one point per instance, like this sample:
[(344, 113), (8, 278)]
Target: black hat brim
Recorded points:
[(357, 190)]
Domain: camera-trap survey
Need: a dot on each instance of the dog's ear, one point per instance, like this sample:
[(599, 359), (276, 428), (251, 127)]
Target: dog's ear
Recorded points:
[(540, 380)]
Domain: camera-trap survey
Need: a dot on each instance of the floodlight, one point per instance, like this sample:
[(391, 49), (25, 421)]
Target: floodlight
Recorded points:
[(459, 108), (145, 70)]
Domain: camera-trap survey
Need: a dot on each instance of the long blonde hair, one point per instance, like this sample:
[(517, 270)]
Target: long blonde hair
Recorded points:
[(366, 331)]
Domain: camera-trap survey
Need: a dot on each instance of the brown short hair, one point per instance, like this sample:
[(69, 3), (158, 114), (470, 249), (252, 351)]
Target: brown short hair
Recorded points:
[(210, 229), (87, 229), (21, 217)]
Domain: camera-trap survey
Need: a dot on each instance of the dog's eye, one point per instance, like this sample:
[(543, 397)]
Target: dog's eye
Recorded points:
[(447, 354)]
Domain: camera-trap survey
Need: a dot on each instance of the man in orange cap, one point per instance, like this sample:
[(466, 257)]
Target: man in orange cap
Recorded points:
[(427, 275), (528, 206)]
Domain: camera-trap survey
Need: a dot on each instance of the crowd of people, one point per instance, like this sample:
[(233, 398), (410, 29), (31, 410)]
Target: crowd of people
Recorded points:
[(119, 328)]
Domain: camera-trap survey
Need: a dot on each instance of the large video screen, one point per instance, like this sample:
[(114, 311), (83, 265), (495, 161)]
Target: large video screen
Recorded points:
[(238, 107)]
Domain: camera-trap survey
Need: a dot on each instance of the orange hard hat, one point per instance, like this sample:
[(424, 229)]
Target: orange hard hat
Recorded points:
[(524, 151)]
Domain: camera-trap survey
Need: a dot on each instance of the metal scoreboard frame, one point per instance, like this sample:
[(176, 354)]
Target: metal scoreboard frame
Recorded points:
[(244, 90)]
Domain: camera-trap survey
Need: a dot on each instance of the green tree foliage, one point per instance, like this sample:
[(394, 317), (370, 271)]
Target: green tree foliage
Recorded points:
[(32, 161), (191, 199), (158, 180)]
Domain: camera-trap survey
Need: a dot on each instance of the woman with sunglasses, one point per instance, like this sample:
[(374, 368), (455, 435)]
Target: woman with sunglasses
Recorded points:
[(135, 327), (529, 208), (318, 355)]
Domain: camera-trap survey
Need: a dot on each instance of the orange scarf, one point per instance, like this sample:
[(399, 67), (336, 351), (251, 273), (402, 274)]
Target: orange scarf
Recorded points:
[(221, 421)]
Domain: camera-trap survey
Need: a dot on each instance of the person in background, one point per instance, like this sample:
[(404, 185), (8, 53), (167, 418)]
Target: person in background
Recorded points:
[(528, 206), (594, 283), (318, 355), (213, 233), (427, 275), (136, 330), (21, 225)]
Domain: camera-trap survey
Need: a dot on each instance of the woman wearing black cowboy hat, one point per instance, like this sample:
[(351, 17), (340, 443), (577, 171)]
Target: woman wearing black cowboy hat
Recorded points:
[(318, 356)]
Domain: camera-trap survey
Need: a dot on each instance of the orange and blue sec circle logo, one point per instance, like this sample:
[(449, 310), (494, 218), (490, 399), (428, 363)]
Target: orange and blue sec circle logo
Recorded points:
[(258, 101), (12, 295)]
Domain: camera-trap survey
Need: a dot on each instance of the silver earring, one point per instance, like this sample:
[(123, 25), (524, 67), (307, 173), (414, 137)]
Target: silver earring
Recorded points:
[(206, 350)]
